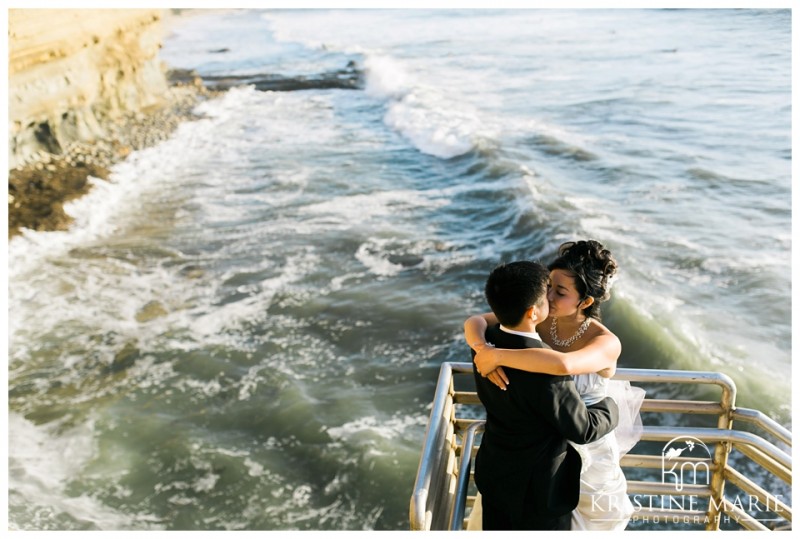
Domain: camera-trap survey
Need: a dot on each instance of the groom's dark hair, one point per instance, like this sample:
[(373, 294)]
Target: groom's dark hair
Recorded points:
[(515, 287)]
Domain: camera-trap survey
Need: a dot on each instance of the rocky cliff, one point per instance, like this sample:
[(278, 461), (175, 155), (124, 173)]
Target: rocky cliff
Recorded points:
[(72, 71), (87, 88)]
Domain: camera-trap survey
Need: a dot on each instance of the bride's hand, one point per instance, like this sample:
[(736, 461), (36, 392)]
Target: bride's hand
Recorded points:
[(485, 359), (498, 377), (488, 367)]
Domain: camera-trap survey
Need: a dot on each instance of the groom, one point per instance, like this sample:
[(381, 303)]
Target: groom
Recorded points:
[(527, 473)]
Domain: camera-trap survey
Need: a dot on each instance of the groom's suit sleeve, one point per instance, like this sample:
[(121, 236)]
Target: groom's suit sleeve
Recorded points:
[(563, 407)]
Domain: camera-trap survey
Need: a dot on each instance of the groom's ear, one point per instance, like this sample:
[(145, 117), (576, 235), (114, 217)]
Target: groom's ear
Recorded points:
[(531, 312)]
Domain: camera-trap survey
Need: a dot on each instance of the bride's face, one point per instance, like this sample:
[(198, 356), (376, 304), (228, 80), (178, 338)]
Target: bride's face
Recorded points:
[(562, 294)]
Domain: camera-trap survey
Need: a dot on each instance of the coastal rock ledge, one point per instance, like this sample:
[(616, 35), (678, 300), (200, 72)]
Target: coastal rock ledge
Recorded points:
[(85, 88), (72, 70)]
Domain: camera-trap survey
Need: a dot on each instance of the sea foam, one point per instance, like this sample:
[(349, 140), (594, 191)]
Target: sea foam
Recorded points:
[(436, 124), (42, 462), (429, 116)]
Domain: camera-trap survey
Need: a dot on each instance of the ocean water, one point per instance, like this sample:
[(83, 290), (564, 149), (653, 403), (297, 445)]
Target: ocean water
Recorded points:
[(244, 327)]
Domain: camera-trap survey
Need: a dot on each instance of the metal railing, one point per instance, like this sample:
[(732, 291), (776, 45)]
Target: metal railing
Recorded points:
[(723, 493)]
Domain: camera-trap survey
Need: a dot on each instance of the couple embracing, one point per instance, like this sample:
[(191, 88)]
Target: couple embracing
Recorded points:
[(549, 457)]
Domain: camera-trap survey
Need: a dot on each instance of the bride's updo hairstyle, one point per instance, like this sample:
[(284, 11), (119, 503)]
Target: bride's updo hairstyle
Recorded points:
[(593, 268)]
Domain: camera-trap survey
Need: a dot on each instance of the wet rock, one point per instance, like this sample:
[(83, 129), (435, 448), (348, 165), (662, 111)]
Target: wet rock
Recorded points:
[(152, 310), (349, 78), (407, 260), (184, 76), (37, 197), (192, 272), (125, 358)]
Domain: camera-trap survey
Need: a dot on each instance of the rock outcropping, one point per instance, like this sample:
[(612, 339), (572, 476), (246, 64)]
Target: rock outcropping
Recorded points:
[(86, 88), (72, 71)]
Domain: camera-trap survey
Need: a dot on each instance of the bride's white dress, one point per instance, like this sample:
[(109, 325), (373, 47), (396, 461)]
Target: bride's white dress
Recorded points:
[(604, 503)]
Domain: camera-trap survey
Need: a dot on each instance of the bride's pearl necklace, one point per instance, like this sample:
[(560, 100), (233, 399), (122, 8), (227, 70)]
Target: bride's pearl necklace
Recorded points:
[(565, 343)]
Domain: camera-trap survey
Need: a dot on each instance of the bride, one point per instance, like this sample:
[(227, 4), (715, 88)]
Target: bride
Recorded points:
[(580, 279)]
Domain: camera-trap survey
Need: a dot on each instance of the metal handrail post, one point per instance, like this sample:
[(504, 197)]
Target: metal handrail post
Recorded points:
[(460, 501), (419, 498), (720, 460)]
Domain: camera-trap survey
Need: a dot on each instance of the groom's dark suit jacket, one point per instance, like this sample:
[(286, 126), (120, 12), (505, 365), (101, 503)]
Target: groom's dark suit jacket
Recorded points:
[(527, 473)]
